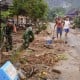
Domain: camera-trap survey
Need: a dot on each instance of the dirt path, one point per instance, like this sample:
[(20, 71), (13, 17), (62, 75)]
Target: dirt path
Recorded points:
[(70, 68)]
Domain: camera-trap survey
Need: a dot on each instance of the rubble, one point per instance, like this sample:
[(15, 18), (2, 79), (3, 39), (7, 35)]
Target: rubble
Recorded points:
[(58, 41), (21, 75), (47, 59), (56, 71), (37, 62), (40, 72)]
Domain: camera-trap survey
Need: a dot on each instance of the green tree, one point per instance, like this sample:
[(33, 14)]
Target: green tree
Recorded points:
[(32, 8), (56, 11), (18, 8), (51, 15), (77, 22), (59, 11)]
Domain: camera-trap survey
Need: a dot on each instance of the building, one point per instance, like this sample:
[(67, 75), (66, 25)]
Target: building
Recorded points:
[(73, 13), (8, 2)]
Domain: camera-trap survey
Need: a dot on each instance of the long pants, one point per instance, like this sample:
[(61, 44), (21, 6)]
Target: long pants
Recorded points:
[(8, 42)]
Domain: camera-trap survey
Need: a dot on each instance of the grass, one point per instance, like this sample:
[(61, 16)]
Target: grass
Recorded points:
[(16, 54), (62, 57)]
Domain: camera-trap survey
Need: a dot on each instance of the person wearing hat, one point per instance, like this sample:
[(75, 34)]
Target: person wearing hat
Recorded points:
[(9, 28)]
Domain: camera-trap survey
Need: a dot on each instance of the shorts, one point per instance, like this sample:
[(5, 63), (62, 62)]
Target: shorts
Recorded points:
[(66, 30), (59, 30)]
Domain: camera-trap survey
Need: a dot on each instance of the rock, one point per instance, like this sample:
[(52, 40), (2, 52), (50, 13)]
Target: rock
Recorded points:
[(66, 42), (73, 46), (49, 46), (56, 71), (21, 74), (17, 65)]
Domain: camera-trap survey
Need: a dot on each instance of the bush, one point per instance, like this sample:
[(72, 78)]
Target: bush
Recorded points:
[(44, 26), (77, 22), (40, 28)]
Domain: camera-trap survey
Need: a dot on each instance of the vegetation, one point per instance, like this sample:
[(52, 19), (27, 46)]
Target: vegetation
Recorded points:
[(55, 12), (32, 8), (77, 22), (2, 34), (51, 15), (5, 14), (35, 9)]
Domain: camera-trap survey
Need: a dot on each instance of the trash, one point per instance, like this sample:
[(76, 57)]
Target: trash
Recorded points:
[(43, 75), (48, 40), (8, 72), (30, 70)]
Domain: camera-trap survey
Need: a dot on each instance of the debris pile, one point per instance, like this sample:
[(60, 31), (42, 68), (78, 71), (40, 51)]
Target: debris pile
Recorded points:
[(38, 62), (48, 59), (40, 72), (40, 67)]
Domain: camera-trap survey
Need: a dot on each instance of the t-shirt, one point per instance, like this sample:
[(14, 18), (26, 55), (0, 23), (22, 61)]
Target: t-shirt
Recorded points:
[(59, 23), (9, 29), (66, 25)]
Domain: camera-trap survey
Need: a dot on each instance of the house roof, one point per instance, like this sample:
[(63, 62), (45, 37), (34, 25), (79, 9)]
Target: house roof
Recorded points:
[(9, 2), (73, 12)]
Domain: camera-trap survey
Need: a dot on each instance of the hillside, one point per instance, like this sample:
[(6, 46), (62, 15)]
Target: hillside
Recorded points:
[(64, 3)]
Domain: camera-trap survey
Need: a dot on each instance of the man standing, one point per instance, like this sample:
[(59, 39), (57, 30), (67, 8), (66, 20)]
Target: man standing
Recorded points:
[(8, 34), (66, 26), (59, 26)]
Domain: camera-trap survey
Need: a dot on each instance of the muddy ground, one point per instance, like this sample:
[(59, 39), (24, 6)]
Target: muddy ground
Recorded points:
[(38, 61)]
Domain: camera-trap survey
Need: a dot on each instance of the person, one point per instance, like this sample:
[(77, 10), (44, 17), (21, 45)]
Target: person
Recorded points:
[(48, 41), (66, 26), (28, 36), (9, 28), (59, 25)]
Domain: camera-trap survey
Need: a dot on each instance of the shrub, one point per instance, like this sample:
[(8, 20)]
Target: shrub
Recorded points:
[(44, 26), (77, 22)]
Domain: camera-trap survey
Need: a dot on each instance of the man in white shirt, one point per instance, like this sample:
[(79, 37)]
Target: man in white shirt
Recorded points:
[(66, 26)]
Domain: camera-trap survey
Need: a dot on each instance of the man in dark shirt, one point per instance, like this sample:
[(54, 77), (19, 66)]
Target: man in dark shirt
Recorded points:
[(8, 33)]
